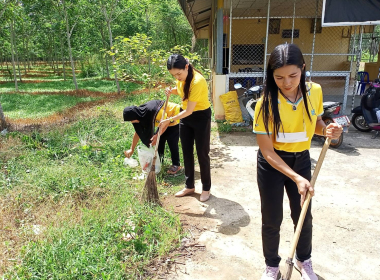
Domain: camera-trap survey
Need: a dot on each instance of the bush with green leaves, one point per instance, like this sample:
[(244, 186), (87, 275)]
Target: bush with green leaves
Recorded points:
[(136, 60)]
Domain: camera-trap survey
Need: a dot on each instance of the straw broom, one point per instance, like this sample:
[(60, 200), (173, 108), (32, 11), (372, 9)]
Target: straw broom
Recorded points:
[(150, 193)]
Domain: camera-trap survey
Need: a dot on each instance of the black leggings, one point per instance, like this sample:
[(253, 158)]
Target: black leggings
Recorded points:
[(171, 135), (271, 184), (196, 127)]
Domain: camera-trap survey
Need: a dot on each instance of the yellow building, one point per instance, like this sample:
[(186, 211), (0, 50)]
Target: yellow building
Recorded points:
[(243, 33)]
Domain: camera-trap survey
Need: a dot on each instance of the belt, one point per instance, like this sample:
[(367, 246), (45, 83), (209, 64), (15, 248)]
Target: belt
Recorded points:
[(291, 154)]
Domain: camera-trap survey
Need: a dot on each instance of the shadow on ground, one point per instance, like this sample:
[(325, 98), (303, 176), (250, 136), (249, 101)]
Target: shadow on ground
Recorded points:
[(231, 214)]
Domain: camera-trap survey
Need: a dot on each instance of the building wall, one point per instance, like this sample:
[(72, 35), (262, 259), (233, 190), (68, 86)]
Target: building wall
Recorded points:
[(252, 31)]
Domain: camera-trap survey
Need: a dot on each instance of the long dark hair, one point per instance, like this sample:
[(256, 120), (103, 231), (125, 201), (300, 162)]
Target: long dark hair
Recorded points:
[(282, 55), (177, 61)]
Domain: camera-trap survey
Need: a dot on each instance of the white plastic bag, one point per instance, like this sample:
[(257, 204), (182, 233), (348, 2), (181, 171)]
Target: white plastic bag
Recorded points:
[(131, 162), (146, 157)]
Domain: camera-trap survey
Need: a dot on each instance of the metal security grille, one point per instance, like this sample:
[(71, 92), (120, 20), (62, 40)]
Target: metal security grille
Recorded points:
[(255, 27)]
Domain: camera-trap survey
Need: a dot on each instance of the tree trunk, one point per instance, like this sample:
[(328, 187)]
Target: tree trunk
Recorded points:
[(69, 44), (27, 54), (24, 60), (105, 47), (13, 56), (193, 43), (175, 37), (3, 123), (113, 57), (18, 65), (55, 56), (16, 53), (63, 59)]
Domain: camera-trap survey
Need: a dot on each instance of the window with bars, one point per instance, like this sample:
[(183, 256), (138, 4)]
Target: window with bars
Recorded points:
[(287, 33), (274, 25)]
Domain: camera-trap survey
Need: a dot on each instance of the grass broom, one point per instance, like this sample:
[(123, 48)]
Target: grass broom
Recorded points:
[(305, 206), (150, 192)]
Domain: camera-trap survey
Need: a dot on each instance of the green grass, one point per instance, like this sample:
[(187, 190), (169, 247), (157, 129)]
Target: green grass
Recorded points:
[(92, 85), (18, 106), (72, 182), (100, 247)]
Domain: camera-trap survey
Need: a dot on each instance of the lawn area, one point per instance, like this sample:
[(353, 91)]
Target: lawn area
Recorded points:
[(70, 208), (19, 106), (54, 86)]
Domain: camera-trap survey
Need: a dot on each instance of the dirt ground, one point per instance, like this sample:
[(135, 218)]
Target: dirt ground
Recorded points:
[(345, 211)]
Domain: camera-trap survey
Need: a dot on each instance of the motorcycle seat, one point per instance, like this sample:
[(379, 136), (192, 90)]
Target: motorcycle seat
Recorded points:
[(330, 104)]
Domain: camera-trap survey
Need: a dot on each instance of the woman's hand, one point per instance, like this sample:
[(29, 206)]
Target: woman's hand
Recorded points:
[(303, 186), (153, 140), (165, 123), (168, 91), (128, 153), (162, 128), (334, 130)]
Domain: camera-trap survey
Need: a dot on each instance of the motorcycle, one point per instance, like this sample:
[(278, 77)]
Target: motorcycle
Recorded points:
[(367, 116), (250, 97), (358, 120)]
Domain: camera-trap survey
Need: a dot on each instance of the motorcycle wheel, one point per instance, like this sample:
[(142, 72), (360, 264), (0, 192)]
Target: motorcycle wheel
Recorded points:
[(335, 143), (359, 123)]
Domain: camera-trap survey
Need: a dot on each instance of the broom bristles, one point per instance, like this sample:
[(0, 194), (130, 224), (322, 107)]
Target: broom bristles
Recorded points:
[(150, 193)]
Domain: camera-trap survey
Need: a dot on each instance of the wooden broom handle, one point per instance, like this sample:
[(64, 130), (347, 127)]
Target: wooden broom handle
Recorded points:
[(308, 198), (159, 131)]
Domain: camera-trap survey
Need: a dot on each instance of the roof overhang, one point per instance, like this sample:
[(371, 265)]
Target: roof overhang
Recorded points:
[(198, 13)]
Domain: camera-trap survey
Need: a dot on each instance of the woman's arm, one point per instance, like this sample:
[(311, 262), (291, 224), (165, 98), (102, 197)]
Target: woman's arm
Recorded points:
[(333, 130), (266, 147), (320, 127), (135, 140), (189, 110)]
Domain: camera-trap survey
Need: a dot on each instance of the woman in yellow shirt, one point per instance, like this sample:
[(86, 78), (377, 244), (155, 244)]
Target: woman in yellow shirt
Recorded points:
[(286, 118), (195, 122), (148, 116)]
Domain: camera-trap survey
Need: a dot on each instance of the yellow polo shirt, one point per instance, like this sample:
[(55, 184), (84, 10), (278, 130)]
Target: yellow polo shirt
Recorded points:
[(297, 130), (171, 110), (198, 92)]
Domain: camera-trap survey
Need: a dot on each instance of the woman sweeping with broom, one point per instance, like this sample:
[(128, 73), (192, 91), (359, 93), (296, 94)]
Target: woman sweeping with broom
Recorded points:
[(286, 118), (147, 116), (195, 122)]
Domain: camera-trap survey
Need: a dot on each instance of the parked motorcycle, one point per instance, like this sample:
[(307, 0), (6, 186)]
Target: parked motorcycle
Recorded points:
[(367, 116), (249, 98), (358, 120)]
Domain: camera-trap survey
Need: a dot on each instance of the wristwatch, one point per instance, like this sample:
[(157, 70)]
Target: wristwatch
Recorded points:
[(171, 120)]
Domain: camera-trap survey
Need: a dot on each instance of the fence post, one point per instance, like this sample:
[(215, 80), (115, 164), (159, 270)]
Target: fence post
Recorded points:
[(358, 59), (266, 43)]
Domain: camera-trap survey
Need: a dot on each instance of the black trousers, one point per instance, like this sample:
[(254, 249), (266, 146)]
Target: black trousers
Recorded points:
[(171, 135), (271, 186), (196, 128)]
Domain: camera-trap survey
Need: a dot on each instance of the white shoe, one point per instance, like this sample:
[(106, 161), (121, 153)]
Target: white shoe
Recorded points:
[(306, 270), (270, 273)]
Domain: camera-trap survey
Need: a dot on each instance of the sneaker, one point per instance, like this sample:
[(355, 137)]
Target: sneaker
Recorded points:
[(306, 270), (270, 273), (174, 169)]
